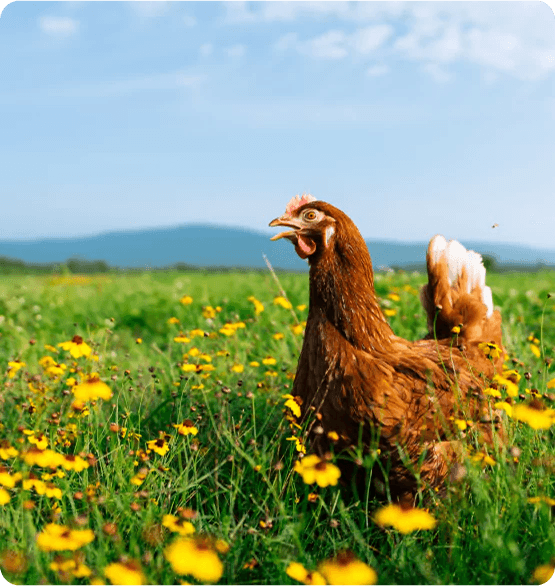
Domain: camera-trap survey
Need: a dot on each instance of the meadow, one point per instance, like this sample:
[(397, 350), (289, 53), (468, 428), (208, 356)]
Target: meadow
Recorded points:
[(147, 436)]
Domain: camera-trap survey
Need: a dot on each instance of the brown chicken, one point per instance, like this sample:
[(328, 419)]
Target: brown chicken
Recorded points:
[(356, 378)]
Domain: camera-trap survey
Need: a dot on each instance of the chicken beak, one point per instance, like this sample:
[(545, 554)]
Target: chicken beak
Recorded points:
[(288, 221)]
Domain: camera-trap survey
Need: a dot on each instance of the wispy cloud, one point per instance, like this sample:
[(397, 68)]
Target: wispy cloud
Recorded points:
[(236, 51), (61, 26), (113, 88), (149, 8), (509, 38)]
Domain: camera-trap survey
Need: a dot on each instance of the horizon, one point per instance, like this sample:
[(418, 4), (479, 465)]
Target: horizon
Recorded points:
[(414, 118)]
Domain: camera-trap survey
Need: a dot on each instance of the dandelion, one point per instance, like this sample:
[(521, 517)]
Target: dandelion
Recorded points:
[(178, 525), (346, 568), (186, 300), (186, 428), (404, 518), (313, 469), (258, 307), (301, 574), (490, 349), (90, 390), (77, 347), (297, 329), (282, 302), (195, 556), (278, 336), (269, 360), (59, 538), (127, 572), (456, 329)]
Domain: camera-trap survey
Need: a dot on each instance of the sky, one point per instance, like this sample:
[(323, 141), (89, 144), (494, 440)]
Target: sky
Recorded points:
[(415, 118)]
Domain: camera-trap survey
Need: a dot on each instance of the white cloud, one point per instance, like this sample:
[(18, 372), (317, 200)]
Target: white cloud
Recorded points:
[(119, 87), (206, 49), (330, 45), (236, 51), (377, 70), (437, 72), (507, 38), (149, 8), (59, 25), (189, 21)]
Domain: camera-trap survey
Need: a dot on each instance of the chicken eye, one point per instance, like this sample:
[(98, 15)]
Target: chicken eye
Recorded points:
[(310, 215)]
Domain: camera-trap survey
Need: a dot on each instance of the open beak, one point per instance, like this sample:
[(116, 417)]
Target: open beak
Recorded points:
[(285, 220)]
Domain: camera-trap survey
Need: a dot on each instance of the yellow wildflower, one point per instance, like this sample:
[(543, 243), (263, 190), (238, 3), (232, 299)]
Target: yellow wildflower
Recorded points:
[(173, 320), (196, 332), (59, 538), (126, 573), (195, 556), (535, 350), (390, 312), (237, 368), (258, 307), (510, 386), (254, 363), (299, 445), (301, 574), (534, 415), (181, 339), (404, 518), (492, 392), (4, 496), (483, 458), (36, 438), (346, 568), (269, 360), (297, 329), (70, 462), (313, 469), (282, 302), (551, 384), (76, 346), (70, 567), (178, 525), (490, 349), (186, 300), (293, 403), (278, 336), (160, 446), (14, 366), (543, 573), (8, 480), (90, 390), (186, 428), (7, 451)]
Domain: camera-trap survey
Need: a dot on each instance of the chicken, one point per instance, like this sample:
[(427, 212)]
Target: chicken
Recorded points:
[(406, 399)]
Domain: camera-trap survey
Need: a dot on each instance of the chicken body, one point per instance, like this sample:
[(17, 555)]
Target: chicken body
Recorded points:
[(356, 378)]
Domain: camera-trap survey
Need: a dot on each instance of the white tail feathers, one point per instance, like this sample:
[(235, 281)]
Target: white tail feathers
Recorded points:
[(456, 256)]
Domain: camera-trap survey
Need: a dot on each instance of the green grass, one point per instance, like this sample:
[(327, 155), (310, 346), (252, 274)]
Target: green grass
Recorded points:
[(236, 474)]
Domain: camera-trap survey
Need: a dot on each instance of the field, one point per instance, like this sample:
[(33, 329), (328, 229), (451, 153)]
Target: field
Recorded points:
[(145, 438)]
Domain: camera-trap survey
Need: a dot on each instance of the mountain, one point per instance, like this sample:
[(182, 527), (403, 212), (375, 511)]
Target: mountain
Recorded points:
[(219, 246)]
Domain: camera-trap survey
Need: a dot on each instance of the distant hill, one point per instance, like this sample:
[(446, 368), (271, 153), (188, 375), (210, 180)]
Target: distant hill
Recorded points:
[(218, 246)]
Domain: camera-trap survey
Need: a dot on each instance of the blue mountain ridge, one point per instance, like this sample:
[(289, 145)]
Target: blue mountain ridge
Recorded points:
[(220, 246)]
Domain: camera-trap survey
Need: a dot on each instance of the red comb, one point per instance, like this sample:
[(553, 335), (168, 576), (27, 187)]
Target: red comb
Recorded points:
[(298, 201)]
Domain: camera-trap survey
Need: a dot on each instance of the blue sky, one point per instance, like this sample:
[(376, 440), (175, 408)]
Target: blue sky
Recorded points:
[(414, 118)]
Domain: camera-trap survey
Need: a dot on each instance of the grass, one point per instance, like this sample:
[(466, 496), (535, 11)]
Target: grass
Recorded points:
[(234, 480)]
